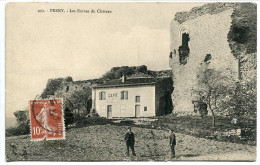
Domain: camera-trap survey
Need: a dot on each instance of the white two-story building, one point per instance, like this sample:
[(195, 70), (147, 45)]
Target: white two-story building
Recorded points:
[(133, 97)]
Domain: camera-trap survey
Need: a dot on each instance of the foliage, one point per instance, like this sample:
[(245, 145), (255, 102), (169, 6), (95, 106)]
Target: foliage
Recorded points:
[(20, 116), (22, 129), (77, 103), (243, 102), (118, 72), (68, 116), (89, 121), (216, 86), (80, 98), (195, 126), (51, 87), (226, 96), (68, 79), (242, 36)]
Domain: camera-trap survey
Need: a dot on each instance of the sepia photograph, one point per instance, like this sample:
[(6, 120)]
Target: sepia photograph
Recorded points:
[(131, 81)]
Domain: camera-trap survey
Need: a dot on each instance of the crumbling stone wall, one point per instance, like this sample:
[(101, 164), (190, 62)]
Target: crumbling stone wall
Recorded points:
[(76, 94), (208, 44)]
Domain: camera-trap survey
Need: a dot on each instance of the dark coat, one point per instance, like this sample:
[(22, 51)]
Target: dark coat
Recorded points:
[(130, 138), (172, 140)]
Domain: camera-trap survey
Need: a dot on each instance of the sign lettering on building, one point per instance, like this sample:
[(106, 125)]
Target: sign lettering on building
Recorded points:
[(112, 95)]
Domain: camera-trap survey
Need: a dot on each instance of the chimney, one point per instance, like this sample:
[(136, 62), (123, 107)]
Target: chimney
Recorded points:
[(123, 78)]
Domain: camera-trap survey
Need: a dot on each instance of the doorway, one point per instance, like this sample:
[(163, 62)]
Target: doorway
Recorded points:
[(109, 111), (137, 111)]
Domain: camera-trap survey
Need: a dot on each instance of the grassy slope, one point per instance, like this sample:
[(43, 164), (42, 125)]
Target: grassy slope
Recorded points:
[(202, 127), (105, 142)]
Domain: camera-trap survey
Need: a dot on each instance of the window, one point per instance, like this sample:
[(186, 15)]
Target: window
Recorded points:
[(145, 108), (102, 95), (137, 99), (122, 108), (124, 95), (207, 58), (184, 49)]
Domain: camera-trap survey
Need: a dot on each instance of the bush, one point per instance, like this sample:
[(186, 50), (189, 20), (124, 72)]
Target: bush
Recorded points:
[(88, 121), (21, 129), (68, 79), (69, 118)]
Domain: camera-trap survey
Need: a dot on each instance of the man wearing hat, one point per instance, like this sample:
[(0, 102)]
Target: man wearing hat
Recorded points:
[(172, 143), (130, 141)]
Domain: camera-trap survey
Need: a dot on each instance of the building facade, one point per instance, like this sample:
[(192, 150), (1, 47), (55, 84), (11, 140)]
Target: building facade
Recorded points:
[(135, 97)]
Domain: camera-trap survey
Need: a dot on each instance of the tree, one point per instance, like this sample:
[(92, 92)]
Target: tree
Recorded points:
[(216, 86), (21, 116), (69, 79), (23, 122), (80, 99), (245, 98)]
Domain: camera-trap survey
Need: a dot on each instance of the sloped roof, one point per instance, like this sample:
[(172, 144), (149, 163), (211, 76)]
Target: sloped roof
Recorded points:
[(129, 82)]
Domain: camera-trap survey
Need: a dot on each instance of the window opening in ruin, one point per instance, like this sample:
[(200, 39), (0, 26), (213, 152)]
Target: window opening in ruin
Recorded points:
[(174, 52), (184, 49), (207, 58)]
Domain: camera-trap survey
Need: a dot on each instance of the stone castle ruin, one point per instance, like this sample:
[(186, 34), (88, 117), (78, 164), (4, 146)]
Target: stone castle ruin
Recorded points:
[(216, 36)]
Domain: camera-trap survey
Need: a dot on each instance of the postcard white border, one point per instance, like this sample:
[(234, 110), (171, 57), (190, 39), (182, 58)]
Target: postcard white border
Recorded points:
[(2, 84)]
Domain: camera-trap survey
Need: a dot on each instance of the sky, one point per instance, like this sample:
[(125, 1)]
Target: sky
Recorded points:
[(40, 46)]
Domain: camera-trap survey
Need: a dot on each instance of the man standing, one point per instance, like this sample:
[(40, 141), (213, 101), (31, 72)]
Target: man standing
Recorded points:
[(172, 143), (130, 141)]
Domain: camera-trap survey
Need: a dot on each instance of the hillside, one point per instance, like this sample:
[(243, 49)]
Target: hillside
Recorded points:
[(106, 143)]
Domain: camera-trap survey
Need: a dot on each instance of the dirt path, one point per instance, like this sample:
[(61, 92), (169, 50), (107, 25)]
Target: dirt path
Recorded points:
[(106, 142)]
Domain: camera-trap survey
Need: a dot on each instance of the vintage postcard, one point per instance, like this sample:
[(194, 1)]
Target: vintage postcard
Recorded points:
[(132, 81)]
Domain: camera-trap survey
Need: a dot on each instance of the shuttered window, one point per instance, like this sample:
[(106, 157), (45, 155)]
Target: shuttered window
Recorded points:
[(124, 95), (102, 95), (137, 99)]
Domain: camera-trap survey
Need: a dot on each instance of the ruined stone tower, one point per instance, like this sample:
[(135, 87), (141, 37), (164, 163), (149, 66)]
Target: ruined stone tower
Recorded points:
[(199, 37)]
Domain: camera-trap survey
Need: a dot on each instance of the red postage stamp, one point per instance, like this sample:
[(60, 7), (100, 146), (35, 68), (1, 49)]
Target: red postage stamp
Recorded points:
[(47, 120)]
